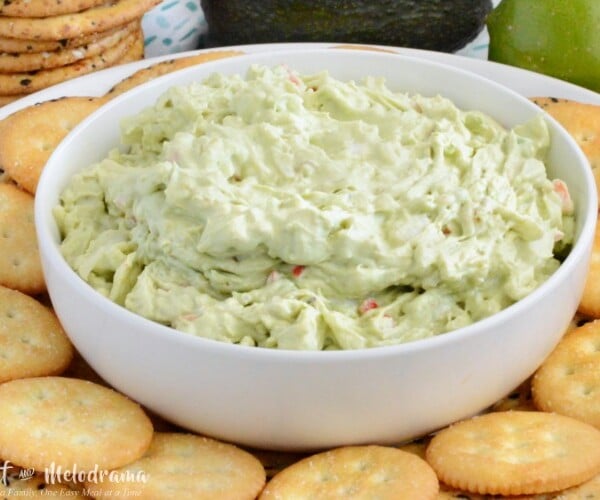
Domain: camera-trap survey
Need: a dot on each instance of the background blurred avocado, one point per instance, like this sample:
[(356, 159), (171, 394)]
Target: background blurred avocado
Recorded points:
[(442, 25)]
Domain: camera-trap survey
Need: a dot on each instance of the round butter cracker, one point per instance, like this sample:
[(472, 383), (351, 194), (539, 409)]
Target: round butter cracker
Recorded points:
[(515, 453), (568, 381), (20, 264), (70, 423), (356, 472), (590, 490), (589, 304), (162, 68), (179, 466), (518, 399), (416, 447), (582, 121), (32, 341), (29, 136)]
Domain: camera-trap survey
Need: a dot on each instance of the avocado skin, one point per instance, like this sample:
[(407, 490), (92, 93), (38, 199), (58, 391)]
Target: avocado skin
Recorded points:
[(441, 25)]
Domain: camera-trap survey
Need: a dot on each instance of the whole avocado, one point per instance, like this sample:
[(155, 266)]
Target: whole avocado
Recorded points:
[(556, 37), (441, 25)]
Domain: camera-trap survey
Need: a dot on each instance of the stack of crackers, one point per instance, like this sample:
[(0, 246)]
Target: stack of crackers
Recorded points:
[(45, 42), (542, 441)]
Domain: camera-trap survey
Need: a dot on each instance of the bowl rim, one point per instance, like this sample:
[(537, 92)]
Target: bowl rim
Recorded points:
[(49, 247)]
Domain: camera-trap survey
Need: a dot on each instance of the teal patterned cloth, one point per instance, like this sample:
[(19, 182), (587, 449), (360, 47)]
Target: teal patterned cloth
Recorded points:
[(173, 26)]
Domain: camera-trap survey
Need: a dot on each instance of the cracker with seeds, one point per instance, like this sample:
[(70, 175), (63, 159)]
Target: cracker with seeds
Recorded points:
[(187, 466), (4, 177), (20, 83), (162, 68), (515, 453), (20, 264), (568, 382), (102, 18), (135, 51), (7, 99), (45, 8), (29, 136), (70, 423), (32, 341), (356, 472), (582, 121), (24, 46), (35, 61)]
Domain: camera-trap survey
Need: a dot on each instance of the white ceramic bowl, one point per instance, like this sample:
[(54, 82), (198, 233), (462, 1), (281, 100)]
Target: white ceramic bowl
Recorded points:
[(307, 400)]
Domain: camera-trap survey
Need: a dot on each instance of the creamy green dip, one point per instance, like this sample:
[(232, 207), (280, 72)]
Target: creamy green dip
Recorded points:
[(301, 212)]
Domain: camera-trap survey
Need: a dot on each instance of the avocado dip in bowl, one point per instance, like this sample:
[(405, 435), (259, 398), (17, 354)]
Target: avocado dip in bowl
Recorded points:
[(303, 249)]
